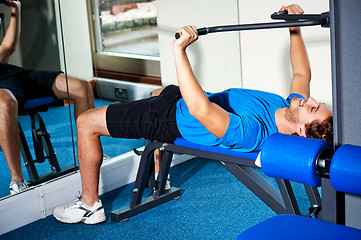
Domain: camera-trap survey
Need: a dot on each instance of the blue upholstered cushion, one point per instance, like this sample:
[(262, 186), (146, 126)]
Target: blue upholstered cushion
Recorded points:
[(215, 149), (345, 170), (36, 102), (292, 157), (285, 227)]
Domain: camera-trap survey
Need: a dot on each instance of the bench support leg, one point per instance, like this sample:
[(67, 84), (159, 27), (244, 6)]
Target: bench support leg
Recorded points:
[(280, 203), (145, 178)]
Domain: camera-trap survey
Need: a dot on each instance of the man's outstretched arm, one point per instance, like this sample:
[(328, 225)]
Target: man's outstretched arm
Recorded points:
[(210, 115), (299, 59), (12, 35)]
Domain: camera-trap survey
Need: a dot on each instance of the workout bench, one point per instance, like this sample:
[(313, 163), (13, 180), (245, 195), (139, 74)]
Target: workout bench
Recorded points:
[(240, 164), (41, 142)]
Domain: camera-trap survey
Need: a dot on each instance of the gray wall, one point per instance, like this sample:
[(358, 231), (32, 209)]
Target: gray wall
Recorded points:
[(38, 46), (39, 41)]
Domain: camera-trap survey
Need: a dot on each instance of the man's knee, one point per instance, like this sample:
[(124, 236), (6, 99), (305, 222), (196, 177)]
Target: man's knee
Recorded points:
[(79, 86), (82, 122), (92, 122), (8, 103), (157, 91), (84, 84)]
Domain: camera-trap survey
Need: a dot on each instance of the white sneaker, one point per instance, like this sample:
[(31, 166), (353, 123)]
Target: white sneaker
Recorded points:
[(79, 212), (18, 186), (167, 183)]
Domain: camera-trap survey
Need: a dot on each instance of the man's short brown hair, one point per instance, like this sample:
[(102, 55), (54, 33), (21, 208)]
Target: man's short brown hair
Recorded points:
[(322, 130)]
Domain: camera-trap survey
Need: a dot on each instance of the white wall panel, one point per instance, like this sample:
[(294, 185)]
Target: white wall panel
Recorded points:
[(216, 57)]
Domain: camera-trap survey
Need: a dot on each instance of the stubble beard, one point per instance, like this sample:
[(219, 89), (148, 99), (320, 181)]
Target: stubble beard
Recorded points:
[(292, 115)]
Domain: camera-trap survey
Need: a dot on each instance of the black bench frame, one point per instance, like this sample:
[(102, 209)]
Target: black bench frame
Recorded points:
[(42, 144), (281, 201)]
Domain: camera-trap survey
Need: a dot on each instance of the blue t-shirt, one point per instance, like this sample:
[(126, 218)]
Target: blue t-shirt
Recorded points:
[(252, 119)]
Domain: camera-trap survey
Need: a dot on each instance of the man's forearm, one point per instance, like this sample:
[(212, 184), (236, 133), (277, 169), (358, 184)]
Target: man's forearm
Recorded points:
[(298, 54), (14, 28)]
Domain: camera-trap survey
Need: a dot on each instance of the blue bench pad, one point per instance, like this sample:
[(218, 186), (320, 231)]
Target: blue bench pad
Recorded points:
[(216, 149), (36, 102), (285, 227)]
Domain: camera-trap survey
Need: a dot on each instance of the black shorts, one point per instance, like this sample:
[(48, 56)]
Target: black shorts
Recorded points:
[(152, 118), (27, 84)]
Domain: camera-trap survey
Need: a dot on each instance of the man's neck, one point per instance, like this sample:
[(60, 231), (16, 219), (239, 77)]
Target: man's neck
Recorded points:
[(283, 126)]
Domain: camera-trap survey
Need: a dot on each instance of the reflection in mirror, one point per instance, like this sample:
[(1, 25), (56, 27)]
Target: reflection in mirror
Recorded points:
[(32, 93), (123, 28)]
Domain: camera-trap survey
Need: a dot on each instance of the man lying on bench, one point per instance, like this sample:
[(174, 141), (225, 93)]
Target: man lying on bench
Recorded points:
[(239, 119)]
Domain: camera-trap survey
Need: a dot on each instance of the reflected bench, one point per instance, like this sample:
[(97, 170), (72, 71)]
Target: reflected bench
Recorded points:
[(43, 148)]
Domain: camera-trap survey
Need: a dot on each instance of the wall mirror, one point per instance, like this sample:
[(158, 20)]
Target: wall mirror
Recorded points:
[(51, 41), (50, 152)]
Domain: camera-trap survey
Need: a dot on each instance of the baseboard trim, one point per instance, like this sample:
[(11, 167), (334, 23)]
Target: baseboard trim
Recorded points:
[(38, 202)]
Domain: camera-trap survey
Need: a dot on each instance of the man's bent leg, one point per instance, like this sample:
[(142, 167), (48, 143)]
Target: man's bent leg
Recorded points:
[(79, 90), (9, 133), (90, 126), (89, 209)]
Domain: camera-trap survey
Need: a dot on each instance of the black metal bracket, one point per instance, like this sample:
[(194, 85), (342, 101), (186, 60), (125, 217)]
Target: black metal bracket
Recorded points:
[(322, 19)]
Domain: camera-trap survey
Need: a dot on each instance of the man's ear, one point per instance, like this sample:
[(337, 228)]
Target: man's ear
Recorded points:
[(302, 131)]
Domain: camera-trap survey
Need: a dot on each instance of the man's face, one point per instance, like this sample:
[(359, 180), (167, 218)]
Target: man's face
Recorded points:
[(303, 111)]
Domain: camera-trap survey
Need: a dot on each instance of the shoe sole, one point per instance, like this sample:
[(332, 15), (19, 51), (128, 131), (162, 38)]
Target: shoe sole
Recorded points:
[(86, 221), (83, 220)]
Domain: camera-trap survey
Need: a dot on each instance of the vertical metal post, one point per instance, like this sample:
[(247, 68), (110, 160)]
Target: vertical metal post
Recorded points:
[(345, 17)]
